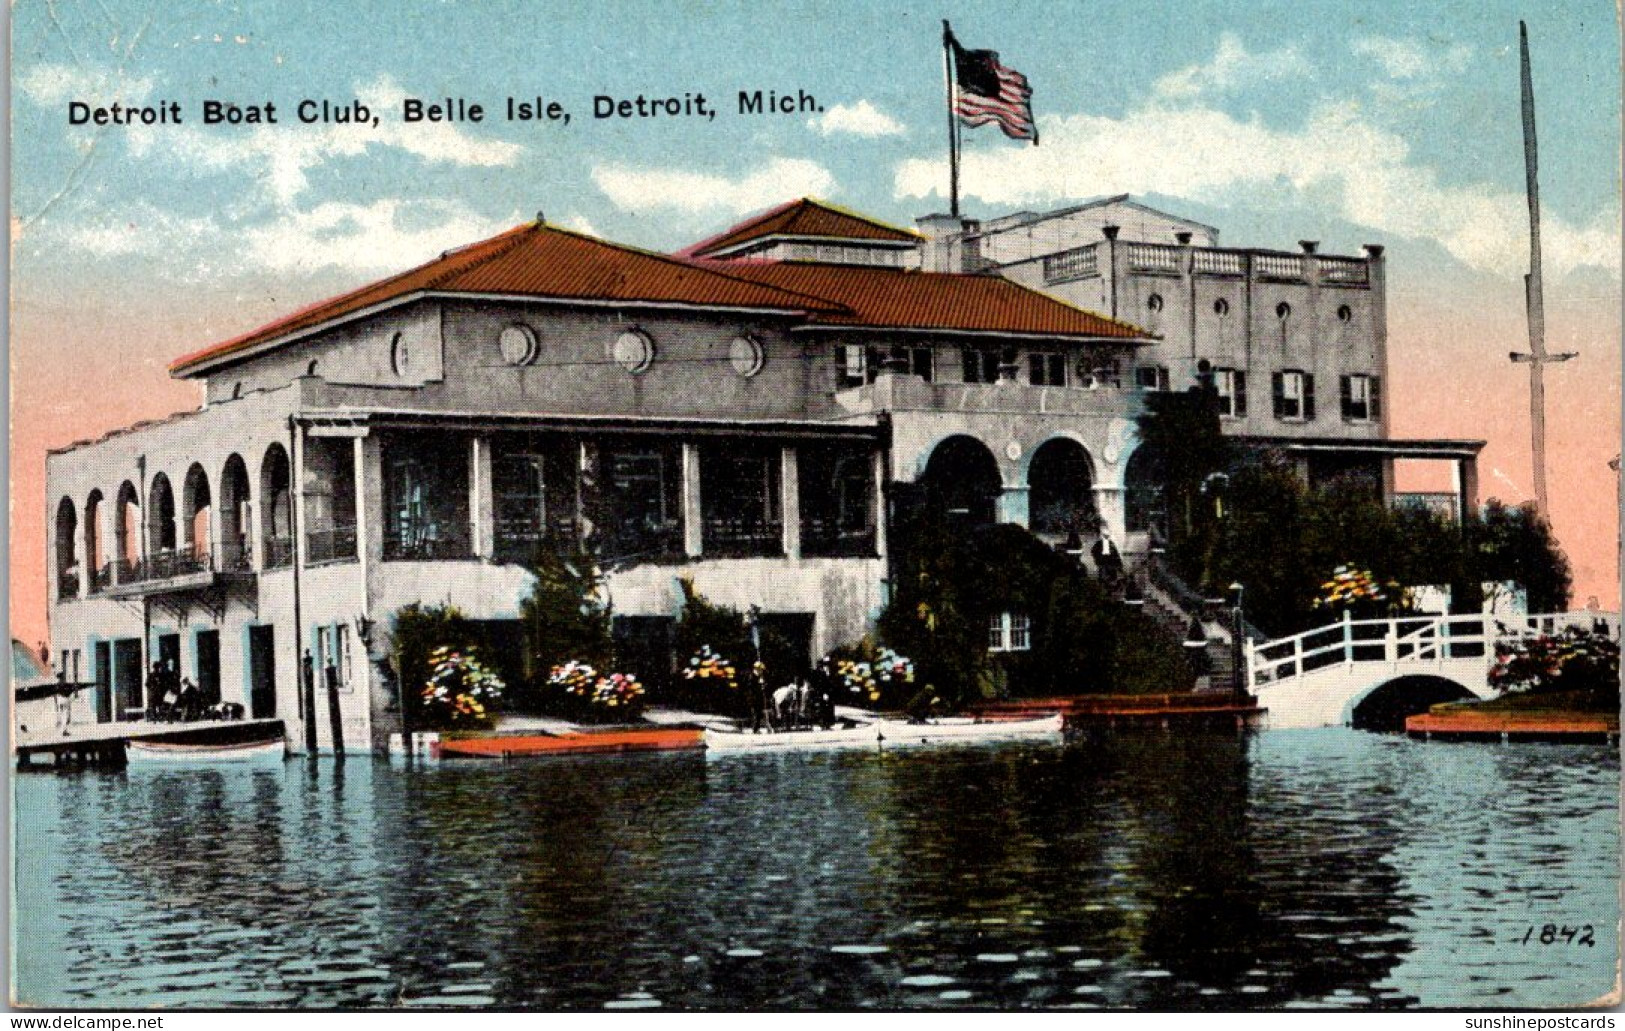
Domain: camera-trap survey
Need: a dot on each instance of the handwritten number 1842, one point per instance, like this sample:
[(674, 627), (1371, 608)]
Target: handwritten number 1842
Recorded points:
[(1552, 934)]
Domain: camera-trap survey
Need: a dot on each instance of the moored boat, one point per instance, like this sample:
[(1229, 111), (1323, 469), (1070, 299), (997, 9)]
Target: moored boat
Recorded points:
[(886, 733), (194, 752)]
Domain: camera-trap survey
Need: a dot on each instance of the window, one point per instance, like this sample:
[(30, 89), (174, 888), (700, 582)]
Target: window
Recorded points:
[(642, 500), (425, 499), (854, 365), (519, 500), (518, 345), (1153, 303), (1151, 377), (634, 351), (1231, 385), (345, 660), (1362, 398), (400, 355), (1344, 313), (740, 501), (838, 500), (1046, 369), (1097, 374), (746, 356), (1294, 395), (981, 364), (1009, 632), (1221, 307), (1283, 311)]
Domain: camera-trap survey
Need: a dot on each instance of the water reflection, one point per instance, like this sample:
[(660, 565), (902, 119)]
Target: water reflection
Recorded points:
[(1330, 868)]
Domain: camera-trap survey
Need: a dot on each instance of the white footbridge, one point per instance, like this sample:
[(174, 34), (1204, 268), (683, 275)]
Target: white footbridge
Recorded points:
[(1319, 677)]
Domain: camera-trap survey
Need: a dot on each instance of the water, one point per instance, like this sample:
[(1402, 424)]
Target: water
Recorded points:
[(1323, 868)]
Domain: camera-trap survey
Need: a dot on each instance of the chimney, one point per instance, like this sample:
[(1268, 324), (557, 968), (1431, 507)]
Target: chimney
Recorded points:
[(944, 244)]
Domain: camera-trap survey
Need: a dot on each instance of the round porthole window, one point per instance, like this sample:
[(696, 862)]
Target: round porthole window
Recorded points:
[(400, 355), (1344, 313), (746, 356), (518, 345), (634, 351), (1283, 311), (1221, 307), (1154, 302)]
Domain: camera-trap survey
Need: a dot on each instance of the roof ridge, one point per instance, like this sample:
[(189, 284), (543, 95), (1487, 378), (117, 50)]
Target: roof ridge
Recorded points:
[(860, 216), (497, 245)]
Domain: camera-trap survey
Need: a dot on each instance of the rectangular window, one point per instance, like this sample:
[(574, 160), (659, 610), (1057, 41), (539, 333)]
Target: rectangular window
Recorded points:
[(981, 364), (1362, 398), (854, 365), (838, 500), (426, 499), (1046, 369), (1151, 377), (345, 660), (642, 501), (1294, 395), (1096, 373), (1231, 385), (519, 503), (739, 500), (1009, 632)]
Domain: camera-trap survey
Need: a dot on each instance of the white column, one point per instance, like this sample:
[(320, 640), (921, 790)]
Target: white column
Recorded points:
[(296, 497), (1013, 506), (1109, 502), (692, 535), (879, 500), (790, 502), (481, 519)]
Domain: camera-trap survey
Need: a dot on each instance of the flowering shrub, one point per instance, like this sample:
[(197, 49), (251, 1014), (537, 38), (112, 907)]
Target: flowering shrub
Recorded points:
[(574, 678), (875, 674), (707, 665), (460, 690), (1575, 659), (1357, 592), (618, 691)]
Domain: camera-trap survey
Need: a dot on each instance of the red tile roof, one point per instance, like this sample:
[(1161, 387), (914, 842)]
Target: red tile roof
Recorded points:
[(907, 299), (804, 217), (535, 260)]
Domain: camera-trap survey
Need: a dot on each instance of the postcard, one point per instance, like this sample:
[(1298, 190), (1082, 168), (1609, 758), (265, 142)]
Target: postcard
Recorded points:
[(815, 507)]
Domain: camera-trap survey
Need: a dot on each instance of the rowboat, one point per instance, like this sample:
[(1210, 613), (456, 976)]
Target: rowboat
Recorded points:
[(187, 752), (886, 734)]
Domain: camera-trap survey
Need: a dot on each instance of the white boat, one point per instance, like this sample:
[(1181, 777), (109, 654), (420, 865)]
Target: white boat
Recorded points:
[(886, 734), (190, 752)]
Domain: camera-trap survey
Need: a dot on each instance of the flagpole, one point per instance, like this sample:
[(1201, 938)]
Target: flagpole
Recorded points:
[(953, 121)]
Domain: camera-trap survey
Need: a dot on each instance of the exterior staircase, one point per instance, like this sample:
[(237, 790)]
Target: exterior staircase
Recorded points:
[(1175, 607)]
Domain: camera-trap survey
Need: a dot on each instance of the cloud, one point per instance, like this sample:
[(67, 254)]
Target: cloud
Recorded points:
[(1233, 67), (1337, 159), (384, 236), (286, 153), (52, 85), (581, 224), (1413, 59), (655, 189), (860, 119)]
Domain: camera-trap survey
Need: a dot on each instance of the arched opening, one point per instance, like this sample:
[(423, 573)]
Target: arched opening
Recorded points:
[(127, 529), (962, 480), (276, 507), (197, 504), (161, 534), (97, 570), (67, 539), (236, 517), (1060, 499), (1143, 502), (1387, 707)]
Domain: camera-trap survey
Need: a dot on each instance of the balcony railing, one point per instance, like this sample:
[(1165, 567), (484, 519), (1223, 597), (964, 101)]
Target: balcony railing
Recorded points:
[(1153, 257), (1221, 263), (427, 543), (825, 538), (169, 564), (102, 578), (1442, 504), (67, 585), (736, 536), (630, 542), (1078, 263), (911, 394), (1349, 271), (330, 544), (236, 557), (278, 552), (1278, 266)]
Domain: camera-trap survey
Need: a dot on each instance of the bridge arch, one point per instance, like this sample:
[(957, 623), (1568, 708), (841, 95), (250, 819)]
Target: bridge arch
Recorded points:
[(1386, 705)]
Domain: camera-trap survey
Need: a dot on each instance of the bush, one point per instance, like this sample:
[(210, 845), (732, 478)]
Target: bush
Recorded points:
[(577, 691), (1573, 660), (868, 674), (460, 691)]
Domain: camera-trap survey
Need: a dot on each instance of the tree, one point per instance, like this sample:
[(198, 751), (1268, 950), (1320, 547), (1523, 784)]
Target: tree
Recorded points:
[(564, 617), (1180, 433), (1516, 543)]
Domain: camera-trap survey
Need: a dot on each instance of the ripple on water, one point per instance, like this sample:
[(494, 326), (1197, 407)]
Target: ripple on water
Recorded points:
[(859, 950), (927, 980)]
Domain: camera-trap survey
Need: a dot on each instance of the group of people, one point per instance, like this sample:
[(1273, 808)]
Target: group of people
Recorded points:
[(171, 696)]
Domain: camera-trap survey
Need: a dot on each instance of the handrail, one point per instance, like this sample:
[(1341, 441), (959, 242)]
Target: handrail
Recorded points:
[(1430, 639)]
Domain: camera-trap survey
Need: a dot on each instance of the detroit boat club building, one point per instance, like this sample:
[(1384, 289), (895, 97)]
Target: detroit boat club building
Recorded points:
[(738, 414)]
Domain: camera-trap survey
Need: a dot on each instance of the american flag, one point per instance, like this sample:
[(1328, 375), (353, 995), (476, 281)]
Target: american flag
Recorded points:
[(990, 92)]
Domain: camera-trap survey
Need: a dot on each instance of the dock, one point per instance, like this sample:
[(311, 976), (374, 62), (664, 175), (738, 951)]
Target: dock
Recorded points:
[(1460, 723), (585, 742), (98, 744), (1194, 710)]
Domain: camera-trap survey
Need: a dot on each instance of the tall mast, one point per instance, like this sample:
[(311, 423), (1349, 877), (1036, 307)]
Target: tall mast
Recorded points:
[(1532, 287)]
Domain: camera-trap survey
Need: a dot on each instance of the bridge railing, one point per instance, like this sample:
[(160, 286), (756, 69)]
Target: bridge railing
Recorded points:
[(1418, 639), (1421, 640)]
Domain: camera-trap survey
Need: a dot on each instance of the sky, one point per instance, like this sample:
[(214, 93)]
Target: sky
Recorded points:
[(1345, 123)]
